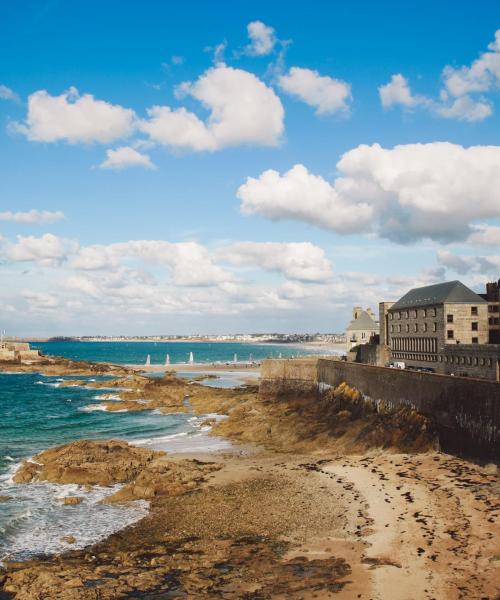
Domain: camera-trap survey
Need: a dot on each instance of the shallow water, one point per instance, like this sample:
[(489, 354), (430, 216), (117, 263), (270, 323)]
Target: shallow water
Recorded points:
[(37, 413)]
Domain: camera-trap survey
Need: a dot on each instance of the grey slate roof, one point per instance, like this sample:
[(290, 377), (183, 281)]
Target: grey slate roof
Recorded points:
[(451, 292), (362, 323)]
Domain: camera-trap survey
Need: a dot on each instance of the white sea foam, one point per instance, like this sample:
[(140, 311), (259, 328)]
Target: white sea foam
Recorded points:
[(93, 408), (107, 397), (36, 519), (50, 384)]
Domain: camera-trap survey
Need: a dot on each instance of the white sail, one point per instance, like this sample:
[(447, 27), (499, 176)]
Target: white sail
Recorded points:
[(167, 360), (148, 360), (191, 358), (235, 358)]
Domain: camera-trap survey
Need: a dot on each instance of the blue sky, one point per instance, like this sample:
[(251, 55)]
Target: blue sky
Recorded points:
[(145, 220)]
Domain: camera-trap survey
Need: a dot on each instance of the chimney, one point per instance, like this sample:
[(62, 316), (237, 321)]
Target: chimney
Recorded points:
[(356, 311)]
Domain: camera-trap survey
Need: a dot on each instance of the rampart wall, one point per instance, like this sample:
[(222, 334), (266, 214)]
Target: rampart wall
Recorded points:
[(465, 411)]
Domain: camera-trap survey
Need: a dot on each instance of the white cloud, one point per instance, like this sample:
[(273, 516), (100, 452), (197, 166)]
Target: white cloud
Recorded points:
[(33, 216), (46, 250), (414, 191), (243, 110), (464, 109), (300, 195), (125, 157), (485, 235), (190, 262), (326, 94), (455, 100), (262, 39), (301, 261), (74, 119), (398, 91), (481, 76), (7, 94)]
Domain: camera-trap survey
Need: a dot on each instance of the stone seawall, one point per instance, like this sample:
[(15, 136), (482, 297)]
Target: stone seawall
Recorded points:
[(465, 411)]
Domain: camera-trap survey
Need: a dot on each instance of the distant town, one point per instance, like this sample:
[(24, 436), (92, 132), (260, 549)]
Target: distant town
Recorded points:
[(252, 338)]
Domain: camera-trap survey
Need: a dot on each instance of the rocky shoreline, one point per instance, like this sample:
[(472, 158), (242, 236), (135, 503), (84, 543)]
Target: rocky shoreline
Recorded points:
[(319, 500)]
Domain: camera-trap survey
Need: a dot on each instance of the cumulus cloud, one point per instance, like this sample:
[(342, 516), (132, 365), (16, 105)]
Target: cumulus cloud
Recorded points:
[(480, 76), (326, 94), (7, 94), (74, 119), (464, 108), (262, 39), (243, 110), (33, 217), (455, 100), (301, 261), (414, 191), (398, 92), (48, 249), (189, 262), (125, 157), (300, 195)]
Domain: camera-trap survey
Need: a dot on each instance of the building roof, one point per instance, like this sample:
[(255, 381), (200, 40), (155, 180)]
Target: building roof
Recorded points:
[(450, 292), (362, 323)]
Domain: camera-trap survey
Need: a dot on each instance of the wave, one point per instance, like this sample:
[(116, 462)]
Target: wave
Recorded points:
[(35, 520), (50, 384), (93, 408)]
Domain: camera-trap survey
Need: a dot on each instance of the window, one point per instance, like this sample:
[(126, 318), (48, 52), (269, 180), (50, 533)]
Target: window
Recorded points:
[(392, 328), (473, 310), (414, 314), (450, 334), (399, 328), (474, 326), (416, 327), (449, 318), (406, 315), (425, 326), (390, 316), (424, 313), (407, 328), (475, 340), (434, 326), (433, 312)]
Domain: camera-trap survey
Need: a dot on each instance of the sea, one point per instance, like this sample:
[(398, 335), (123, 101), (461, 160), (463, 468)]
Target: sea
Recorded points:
[(36, 413)]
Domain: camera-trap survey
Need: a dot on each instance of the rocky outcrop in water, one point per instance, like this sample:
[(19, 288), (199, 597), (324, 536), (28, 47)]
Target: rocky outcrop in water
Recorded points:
[(147, 474)]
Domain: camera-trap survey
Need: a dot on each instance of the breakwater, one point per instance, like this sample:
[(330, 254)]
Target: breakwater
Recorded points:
[(466, 411)]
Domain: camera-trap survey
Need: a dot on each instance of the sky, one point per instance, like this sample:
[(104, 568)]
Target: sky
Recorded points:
[(244, 167)]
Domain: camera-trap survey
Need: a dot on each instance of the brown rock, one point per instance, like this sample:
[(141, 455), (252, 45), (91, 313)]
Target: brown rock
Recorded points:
[(69, 539), (71, 500)]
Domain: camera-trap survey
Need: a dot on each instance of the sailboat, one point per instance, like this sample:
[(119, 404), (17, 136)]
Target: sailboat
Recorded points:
[(191, 358), (167, 360), (235, 358), (148, 360)]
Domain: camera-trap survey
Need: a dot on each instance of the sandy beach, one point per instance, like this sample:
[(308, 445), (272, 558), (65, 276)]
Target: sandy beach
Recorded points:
[(310, 502)]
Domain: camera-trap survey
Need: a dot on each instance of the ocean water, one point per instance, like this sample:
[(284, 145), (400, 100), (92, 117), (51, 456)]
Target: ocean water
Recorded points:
[(136, 353), (36, 413)]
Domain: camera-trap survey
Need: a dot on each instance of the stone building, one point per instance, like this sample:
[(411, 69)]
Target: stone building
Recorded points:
[(18, 352), (492, 297), (362, 328), (426, 319)]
